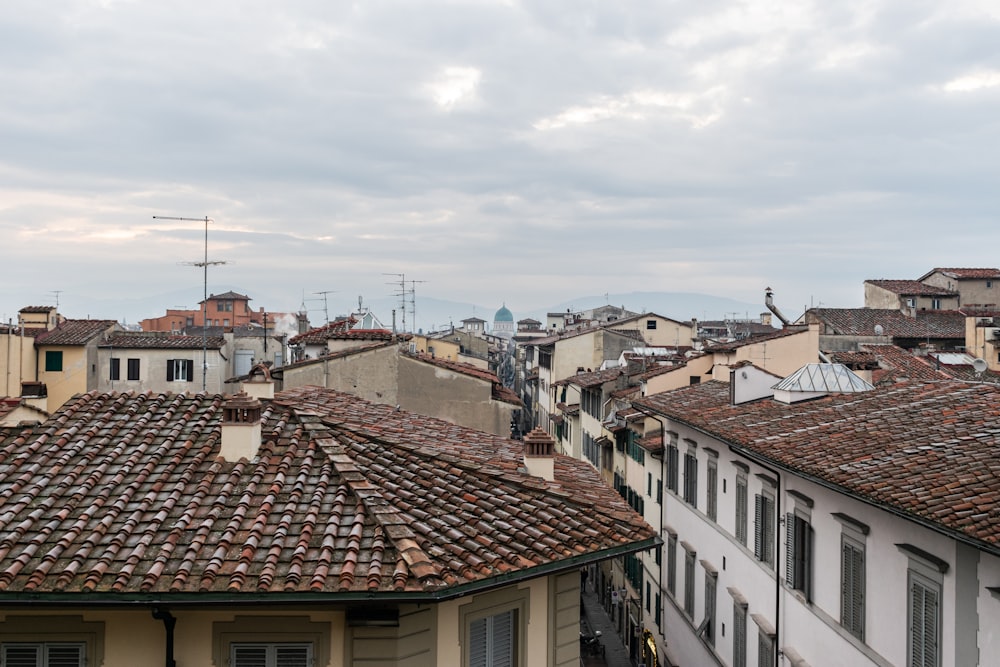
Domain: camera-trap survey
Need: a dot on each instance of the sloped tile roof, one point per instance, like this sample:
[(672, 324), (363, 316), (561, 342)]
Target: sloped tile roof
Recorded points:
[(930, 450), (593, 378), (319, 335), (959, 274), (911, 288), (126, 495), (228, 295), (37, 309), (761, 338), (862, 322), (156, 340), (74, 332)]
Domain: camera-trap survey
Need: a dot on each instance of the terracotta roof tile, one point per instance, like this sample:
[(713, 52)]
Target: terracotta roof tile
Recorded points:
[(743, 342), (967, 273), (74, 332), (929, 450), (127, 494), (911, 288), (862, 321), (157, 340)]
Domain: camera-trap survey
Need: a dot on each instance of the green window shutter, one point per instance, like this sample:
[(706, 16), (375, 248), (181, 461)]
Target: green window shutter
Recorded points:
[(53, 361)]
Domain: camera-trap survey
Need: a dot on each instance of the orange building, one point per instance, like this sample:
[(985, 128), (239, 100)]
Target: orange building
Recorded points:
[(229, 309)]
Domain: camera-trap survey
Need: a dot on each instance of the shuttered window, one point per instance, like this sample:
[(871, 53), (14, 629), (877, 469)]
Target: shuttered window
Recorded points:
[(49, 654), (741, 509), (672, 463), (739, 635), (710, 593), (691, 479), (689, 557), (763, 547), (798, 554), (765, 650), (672, 564), (924, 622), (271, 655), (492, 640), (712, 501), (852, 586)]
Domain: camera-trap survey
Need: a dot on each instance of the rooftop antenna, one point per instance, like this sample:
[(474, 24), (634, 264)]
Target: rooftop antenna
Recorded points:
[(326, 312), (57, 292), (204, 304), (413, 300)]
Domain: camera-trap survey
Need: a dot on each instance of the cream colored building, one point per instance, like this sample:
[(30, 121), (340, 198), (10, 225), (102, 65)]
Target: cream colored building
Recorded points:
[(311, 529)]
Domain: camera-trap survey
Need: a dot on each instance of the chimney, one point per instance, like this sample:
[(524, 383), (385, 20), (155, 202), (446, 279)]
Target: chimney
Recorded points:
[(539, 454), (240, 428), (259, 384)]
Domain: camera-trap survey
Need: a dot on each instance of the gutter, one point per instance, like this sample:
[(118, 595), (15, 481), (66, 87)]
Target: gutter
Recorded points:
[(203, 600), (168, 624)]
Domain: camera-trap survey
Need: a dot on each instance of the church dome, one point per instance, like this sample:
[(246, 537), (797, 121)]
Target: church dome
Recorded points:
[(503, 315)]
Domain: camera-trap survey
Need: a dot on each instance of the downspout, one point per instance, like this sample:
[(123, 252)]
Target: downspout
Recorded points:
[(169, 622)]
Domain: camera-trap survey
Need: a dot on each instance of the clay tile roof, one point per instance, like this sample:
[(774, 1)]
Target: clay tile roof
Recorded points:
[(126, 495), (973, 274), (229, 295), (911, 288), (862, 322), (319, 335), (74, 332), (37, 309), (594, 378), (736, 344), (156, 340), (925, 449)]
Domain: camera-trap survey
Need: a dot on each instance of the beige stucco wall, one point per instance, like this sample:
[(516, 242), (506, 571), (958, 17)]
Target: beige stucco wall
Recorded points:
[(17, 362), (439, 348), (72, 379), (879, 297), (667, 333), (455, 397), (369, 374), (153, 370), (681, 377), (970, 291), (781, 356)]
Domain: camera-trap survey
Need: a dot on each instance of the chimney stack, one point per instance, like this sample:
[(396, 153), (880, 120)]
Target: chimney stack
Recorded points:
[(241, 435), (539, 454), (259, 384)]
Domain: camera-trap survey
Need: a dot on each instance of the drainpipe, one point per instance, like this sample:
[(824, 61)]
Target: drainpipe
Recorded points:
[(168, 624)]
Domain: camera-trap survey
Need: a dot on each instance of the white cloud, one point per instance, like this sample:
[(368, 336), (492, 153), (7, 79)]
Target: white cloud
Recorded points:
[(973, 81), (696, 109), (455, 86)]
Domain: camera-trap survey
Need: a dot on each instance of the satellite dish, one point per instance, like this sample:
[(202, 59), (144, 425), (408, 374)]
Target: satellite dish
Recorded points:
[(979, 366), (879, 330)]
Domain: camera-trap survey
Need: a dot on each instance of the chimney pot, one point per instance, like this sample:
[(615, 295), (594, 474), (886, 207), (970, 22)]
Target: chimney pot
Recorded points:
[(539, 454), (241, 432)]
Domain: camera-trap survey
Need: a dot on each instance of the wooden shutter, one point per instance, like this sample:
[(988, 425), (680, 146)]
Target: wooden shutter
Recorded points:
[(741, 510), (491, 640), (791, 574), (189, 369), (739, 636), (170, 370), (923, 624), (758, 533)]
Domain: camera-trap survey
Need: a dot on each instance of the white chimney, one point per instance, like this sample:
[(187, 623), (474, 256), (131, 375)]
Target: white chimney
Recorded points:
[(539, 454), (259, 384), (241, 436)]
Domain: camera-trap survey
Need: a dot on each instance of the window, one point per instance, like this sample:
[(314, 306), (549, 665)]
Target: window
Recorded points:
[(225, 306), (672, 462), (672, 563), (708, 625), (180, 370), (651, 324), (53, 361), (657, 614), (712, 508), (133, 369), (741, 508), (271, 655), (659, 491), (115, 370), (924, 622), (798, 554), (763, 546), (225, 322), (691, 479), (689, 582), (43, 654), (739, 634), (492, 640), (765, 648), (936, 304), (852, 585)]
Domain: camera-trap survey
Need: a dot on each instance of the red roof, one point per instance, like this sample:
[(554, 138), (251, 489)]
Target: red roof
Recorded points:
[(928, 450), (74, 332), (126, 494), (911, 288)]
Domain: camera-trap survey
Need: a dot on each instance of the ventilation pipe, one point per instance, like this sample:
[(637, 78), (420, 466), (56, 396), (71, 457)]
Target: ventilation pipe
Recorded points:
[(769, 302)]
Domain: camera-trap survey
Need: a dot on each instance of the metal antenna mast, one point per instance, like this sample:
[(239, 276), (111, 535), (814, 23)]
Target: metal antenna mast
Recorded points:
[(326, 311), (401, 293), (413, 300), (204, 318)]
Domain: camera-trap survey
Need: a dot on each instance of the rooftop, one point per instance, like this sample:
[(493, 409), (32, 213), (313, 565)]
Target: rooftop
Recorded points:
[(74, 332), (124, 496)]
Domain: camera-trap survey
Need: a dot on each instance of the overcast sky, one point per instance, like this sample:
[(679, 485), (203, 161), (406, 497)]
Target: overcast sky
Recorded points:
[(500, 151)]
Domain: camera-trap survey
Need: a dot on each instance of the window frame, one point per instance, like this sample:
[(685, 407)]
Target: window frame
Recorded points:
[(134, 369), (691, 478), (491, 605), (114, 369), (742, 507), (739, 634), (712, 488), (690, 557), (799, 543), (53, 361), (270, 655), (270, 630), (180, 370), (853, 583), (56, 630), (764, 526), (672, 563)]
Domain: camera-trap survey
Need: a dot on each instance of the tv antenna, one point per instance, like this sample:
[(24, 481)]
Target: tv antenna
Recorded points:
[(204, 304), (406, 295), (326, 311)]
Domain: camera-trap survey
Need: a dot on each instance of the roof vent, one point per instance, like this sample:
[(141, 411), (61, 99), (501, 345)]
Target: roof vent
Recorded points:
[(539, 454), (241, 433)]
